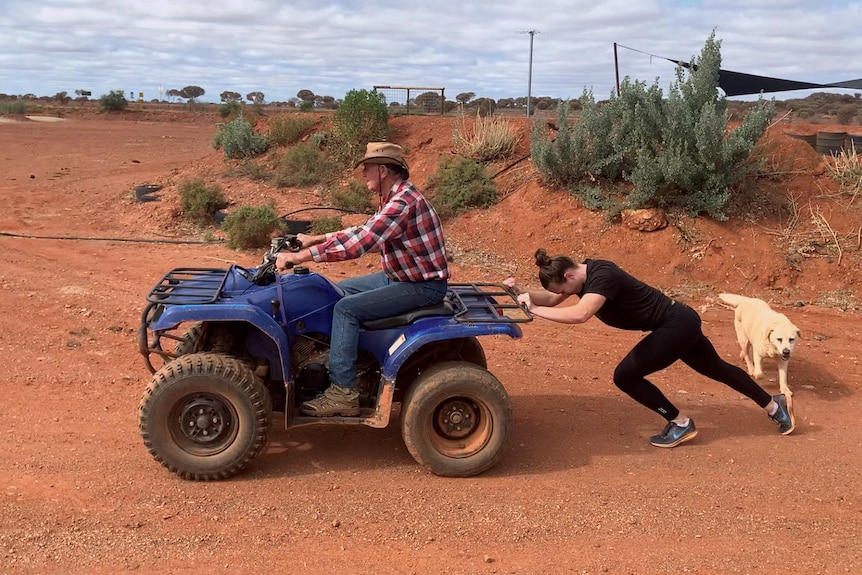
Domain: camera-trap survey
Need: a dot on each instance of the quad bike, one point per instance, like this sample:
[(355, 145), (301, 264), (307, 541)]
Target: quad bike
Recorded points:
[(226, 347)]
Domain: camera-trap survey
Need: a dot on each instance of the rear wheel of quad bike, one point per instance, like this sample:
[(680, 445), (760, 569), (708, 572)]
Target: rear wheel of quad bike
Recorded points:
[(455, 419), (205, 416)]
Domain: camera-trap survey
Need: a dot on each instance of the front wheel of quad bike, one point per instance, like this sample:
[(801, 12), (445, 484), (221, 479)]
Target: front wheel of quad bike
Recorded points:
[(455, 419), (190, 340), (205, 416)]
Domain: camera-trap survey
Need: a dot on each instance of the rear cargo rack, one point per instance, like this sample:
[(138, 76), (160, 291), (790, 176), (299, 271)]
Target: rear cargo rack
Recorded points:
[(189, 286), (478, 303)]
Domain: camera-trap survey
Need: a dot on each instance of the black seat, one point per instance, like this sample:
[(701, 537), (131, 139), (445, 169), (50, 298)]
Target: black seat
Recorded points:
[(442, 308)]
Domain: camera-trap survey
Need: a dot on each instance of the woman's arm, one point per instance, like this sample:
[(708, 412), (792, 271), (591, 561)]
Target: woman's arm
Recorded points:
[(578, 313), (546, 298)]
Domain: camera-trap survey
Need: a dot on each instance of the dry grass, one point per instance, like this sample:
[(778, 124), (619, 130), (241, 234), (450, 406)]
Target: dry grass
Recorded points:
[(486, 140), (846, 169)]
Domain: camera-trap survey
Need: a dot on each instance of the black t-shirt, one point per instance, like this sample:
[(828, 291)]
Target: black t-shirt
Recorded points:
[(631, 304)]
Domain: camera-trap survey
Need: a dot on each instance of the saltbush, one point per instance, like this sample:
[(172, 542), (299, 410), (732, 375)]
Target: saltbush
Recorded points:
[(239, 140), (460, 185), (250, 227), (676, 151), (201, 202)]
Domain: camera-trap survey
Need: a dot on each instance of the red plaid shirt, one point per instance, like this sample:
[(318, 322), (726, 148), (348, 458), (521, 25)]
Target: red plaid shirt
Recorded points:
[(405, 230)]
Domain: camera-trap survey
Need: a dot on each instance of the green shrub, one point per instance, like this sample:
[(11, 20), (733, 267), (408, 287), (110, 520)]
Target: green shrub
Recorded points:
[(113, 101), (239, 140), (564, 160), (326, 224), (13, 108), (230, 109), (302, 165), (362, 117), (487, 139), (250, 227), (355, 198), (677, 151), (199, 202), (248, 168), (459, 185), (306, 107), (845, 114), (285, 130)]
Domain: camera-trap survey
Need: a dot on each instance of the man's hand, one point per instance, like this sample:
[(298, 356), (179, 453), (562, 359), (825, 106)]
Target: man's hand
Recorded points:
[(306, 240), (286, 260)]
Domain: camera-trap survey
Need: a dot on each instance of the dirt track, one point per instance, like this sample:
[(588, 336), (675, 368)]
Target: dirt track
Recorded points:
[(579, 491)]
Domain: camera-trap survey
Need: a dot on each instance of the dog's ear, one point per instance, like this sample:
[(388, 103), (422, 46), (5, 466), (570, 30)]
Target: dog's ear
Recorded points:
[(798, 332)]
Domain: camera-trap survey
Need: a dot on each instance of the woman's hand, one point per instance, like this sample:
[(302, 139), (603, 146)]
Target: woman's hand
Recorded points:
[(525, 300), (510, 283)]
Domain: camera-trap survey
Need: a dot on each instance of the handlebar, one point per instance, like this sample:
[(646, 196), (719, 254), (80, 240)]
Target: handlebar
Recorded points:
[(267, 266)]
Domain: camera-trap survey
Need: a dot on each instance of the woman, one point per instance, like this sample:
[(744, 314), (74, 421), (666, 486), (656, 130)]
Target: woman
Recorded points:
[(622, 301)]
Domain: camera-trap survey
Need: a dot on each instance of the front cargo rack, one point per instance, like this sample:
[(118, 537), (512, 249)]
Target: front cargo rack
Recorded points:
[(189, 286), (478, 303)]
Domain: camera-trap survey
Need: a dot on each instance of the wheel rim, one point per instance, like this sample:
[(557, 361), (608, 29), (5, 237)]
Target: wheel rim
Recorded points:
[(203, 424), (461, 427)]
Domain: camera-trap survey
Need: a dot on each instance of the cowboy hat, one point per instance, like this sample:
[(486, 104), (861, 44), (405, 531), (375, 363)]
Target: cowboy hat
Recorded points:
[(383, 153)]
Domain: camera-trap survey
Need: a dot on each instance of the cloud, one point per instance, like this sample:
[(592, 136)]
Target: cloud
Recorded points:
[(483, 47)]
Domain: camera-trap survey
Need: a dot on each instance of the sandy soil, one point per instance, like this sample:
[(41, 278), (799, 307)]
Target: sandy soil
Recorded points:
[(579, 490)]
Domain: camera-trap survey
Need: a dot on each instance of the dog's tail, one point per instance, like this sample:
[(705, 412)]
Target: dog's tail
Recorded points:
[(731, 299)]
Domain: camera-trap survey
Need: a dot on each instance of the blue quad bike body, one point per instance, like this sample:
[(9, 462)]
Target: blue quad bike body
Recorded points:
[(227, 347)]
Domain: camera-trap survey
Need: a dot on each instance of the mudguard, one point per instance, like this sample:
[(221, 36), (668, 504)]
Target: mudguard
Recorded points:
[(426, 331)]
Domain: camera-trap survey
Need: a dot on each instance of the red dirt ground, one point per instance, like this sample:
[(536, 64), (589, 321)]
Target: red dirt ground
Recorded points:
[(579, 490)]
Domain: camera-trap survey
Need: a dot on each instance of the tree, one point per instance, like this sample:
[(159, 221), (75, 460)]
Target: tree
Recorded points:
[(256, 98), (465, 97), (228, 96), (305, 96), (192, 93), (428, 101), (173, 93)]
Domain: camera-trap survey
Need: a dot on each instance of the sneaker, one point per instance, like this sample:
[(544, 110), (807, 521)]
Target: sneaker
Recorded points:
[(336, 400), (673, 434), (784, 415)]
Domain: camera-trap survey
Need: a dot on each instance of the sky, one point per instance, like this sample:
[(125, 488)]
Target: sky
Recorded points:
[(280, 47)]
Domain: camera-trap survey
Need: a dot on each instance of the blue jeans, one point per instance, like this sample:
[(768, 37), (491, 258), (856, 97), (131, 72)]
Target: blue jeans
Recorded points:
[(368, 297)]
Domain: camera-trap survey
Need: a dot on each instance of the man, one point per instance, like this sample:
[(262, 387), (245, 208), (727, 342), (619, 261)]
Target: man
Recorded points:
[(407, 232)]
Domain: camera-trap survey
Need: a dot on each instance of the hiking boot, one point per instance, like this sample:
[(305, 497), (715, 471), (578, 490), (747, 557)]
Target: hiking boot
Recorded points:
[(336, 400), (783, 415), (673, 434)]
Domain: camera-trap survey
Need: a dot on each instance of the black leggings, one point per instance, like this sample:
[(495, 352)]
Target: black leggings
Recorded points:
[(679, 337)]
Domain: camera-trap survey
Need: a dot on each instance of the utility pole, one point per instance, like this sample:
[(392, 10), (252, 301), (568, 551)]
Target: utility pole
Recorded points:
[(530, 70)]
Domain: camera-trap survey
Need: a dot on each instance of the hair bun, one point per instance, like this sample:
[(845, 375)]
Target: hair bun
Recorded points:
[(542, 257)]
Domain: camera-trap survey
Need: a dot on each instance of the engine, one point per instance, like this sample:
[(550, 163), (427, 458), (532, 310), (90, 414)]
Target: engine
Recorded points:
[(309, 357)]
